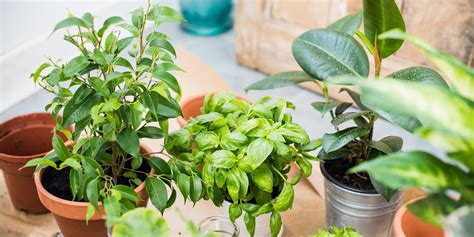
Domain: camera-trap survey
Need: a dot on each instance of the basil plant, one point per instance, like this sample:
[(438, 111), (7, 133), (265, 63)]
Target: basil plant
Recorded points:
[(117, 90), (242, 153), (333, 52)]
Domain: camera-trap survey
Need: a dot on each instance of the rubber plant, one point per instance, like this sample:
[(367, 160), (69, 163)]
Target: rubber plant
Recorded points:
[(446, 118), (242, 153), (334, 51), (113, 92)]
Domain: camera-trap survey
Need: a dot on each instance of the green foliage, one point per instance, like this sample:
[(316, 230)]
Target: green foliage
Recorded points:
[(141, 222), (445, 118), (245, 151), (336, 232), (117, 85)]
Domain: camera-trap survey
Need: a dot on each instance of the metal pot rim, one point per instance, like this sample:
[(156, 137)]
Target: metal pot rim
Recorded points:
[(344, 186)]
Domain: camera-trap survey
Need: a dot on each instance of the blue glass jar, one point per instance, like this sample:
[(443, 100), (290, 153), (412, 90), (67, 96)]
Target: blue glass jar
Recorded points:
[(206, 17)]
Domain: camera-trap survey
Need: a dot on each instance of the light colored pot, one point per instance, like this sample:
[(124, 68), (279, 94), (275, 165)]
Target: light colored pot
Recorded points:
[(368, 212), (191, 107), (71, 215), (405, 224), (262, 223)]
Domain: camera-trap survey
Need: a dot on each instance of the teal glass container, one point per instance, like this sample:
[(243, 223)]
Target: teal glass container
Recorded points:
[(206, 17)]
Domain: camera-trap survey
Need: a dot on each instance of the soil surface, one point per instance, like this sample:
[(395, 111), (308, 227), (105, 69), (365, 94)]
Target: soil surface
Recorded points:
[(56, 182), (338, 169)]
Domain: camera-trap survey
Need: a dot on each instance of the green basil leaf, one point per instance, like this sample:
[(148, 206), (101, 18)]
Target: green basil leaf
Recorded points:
[(305, 166), (158, 193), (233, 186), (258, 151), (275, 223), (206, 140), (221, 177), (235, 211), (233, 141), (223, 159), (249, 221), (326, 53), (285, 200), (294, 133), (263, 178)]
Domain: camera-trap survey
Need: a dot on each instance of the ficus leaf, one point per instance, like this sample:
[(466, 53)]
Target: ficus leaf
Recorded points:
[(158, 193), (280, 80), (347, 24)]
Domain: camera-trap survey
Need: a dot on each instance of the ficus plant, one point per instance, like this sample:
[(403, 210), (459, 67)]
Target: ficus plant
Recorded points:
[(334, 51), (446, 117), (117, 90), (242, 152)]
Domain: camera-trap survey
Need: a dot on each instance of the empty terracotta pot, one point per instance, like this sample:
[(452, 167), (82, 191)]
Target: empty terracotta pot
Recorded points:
[(71, 215), (191, 107), (405, 224), (22, 139)]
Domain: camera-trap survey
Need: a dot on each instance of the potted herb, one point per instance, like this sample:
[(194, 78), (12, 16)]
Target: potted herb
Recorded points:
[(332, 52), (242, 153), (114, 95), (336, 232), (22, 139), (445, 118)]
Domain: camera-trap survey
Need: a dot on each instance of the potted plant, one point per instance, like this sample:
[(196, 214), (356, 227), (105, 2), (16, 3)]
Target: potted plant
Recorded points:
[(336, 232), (445, 115), (113, 100), (354, 199), (22, 139), (239, 155)]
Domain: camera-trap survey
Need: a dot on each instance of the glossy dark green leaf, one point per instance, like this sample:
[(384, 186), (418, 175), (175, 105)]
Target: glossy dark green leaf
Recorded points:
[(334, 141), (159, 165), (342, 108), (93, 192), (127, 192), (258, 151), (123, 63), (184, 184), (280, 80), (151, 132), (325, 53), (110, 21), (196, 190), (263, 178), (347, 24), (123, 43), (138, 16), (70, 21), (130, 28), (381, 16), (163, 44), (161, 14), (158, 193), (128, 141), (285, 200), (275, 223), (99, 86), (324, 107), (91, 167), (70, 162), (80, 105), (424, 170), (340, 119), (169, 79), (75, 177), (75, 65), (59, 148)]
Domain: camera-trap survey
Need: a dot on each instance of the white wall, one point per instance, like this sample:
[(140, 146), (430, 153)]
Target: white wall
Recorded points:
[(24, 29)]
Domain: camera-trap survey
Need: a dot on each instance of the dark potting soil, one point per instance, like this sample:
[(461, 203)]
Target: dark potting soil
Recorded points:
[(338, 170), (56, 182)]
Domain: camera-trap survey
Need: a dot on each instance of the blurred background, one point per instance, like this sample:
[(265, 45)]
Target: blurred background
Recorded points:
[(258, 43)]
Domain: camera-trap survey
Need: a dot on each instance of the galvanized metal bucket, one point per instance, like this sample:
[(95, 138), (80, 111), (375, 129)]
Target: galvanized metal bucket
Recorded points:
[(368, 212)]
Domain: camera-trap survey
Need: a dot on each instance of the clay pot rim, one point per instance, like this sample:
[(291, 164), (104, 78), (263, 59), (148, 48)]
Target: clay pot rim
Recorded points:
[(397, 219), (25, 117), (22, 159), (188, 100), (40, 189)]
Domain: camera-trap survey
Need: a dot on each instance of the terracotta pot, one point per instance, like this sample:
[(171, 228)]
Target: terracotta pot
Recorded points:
[(405, 224), (22, 139), (191, 107), (71, 215)]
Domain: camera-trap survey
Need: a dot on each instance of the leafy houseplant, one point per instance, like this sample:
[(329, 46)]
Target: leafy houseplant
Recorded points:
[(333, 52), (445, 115), (242, 152), (113, 94)]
